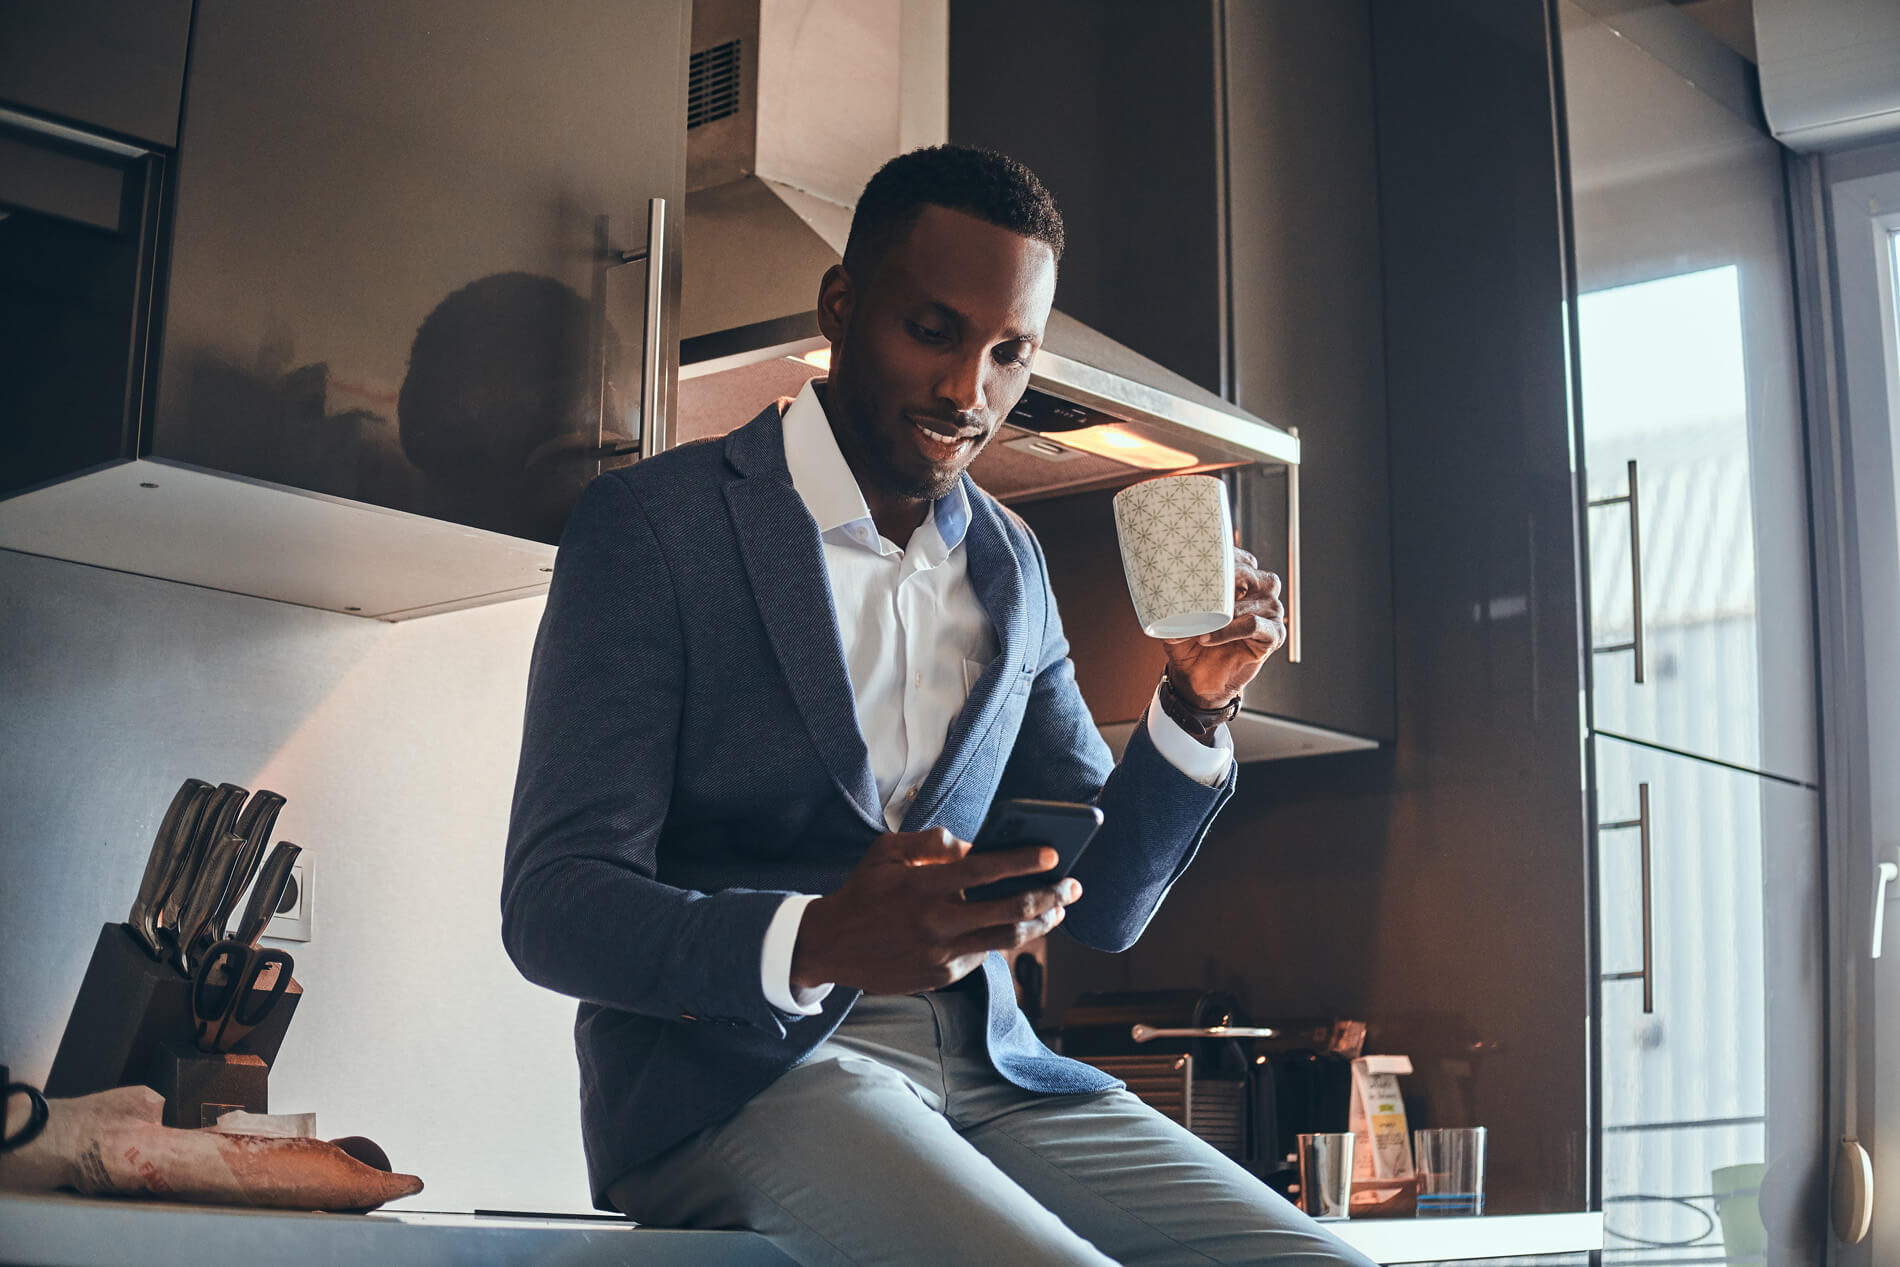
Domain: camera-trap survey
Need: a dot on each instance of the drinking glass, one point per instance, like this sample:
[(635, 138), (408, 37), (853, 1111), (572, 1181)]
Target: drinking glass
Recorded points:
[(1450, 1164)]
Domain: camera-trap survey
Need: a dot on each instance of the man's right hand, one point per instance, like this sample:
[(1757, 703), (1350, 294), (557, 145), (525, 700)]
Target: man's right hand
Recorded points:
[(900, 923)]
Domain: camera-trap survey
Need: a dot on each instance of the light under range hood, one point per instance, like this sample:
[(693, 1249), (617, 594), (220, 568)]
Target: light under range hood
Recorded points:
[(775, 157)]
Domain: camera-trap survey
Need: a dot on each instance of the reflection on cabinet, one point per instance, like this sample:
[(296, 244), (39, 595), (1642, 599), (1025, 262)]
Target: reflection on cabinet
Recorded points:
[(398, 287), (1709, 911), (1227, 225), (115, 66), (386, 282), (1690, 387)]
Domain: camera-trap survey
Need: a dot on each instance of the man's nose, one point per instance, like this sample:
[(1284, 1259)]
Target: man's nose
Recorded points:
[(964, 384)]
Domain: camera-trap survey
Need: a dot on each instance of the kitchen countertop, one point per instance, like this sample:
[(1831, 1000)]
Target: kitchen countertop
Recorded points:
[(72, 1231)]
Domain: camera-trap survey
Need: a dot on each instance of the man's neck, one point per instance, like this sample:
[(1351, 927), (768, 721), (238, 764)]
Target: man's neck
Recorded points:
[(895, 515)]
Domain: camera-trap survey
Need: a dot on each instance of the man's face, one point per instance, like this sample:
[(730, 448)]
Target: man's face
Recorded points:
[(932, 351)]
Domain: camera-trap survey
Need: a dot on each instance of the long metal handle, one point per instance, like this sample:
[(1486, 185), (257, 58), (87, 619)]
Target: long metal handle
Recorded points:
[(1635, 643), (1884, 874), (1648, 973), (1148, 1033), (654, 431), (1296, 610)]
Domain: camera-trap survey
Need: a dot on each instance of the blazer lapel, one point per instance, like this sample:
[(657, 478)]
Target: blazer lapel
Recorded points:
[(785, 561), (997, 577)]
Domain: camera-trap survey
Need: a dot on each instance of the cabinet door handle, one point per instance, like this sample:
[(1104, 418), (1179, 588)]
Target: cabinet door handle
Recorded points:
[(1884, 874), (1647, 974), (1635, 644), (1296, 610), (655, 432)]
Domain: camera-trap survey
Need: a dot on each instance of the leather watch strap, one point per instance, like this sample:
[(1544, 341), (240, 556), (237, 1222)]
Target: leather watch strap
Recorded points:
[(1199, 722)]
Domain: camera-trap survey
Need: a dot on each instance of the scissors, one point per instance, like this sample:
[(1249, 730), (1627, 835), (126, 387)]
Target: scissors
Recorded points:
[(224, 1002)]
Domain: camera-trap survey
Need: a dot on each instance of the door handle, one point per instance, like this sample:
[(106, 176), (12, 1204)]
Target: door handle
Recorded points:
[(655, 429), (1296, 610), (1647, 974), (1884, 874), (1635, 644)]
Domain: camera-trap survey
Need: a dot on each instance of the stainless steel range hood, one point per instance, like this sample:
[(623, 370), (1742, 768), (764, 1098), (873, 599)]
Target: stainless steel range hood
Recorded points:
[(776, 153)]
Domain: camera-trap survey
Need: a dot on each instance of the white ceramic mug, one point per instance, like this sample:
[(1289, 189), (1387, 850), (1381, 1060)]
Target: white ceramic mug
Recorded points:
[(1177, 539)]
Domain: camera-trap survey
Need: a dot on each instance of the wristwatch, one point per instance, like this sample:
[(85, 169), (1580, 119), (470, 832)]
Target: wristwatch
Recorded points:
[(1199, 722)]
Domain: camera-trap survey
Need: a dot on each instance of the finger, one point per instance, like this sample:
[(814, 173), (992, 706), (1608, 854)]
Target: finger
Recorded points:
[(920, 848), (1006, 936), (1015, 909), (1243, 625), (1260, 605), (986, 868), (1253, 583), (1269, 633)]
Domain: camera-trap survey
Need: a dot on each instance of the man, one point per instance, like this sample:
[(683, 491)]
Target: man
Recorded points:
[(781, 678)]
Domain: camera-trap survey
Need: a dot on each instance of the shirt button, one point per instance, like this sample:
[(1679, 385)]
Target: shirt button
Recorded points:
[(917, 679), (912, 794)]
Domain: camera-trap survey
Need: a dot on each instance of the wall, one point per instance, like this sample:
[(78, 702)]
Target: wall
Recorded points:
[(396, 746)]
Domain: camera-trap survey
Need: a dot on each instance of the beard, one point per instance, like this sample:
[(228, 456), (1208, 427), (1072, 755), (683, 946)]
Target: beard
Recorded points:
[(894, 464)]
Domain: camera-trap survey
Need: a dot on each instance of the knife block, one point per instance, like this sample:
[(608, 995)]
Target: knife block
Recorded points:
[(132, 1024)]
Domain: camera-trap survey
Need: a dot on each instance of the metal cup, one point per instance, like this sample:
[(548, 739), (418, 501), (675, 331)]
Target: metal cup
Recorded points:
[(1326, 1175)]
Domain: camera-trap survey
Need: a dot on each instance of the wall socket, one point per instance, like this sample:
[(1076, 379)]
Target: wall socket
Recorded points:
[(292, 921)]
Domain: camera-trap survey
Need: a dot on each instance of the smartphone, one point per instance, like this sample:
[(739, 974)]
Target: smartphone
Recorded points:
[(1064, 826)]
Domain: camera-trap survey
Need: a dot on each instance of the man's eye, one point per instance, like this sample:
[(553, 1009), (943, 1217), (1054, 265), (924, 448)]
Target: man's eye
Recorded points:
[(1020, 357), (926, 333)]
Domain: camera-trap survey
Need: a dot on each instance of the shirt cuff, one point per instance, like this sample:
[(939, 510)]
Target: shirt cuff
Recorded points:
[(1204, 764), (775, 959)]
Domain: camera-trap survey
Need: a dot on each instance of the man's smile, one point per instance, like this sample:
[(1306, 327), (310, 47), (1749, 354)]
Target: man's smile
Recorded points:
[(940, 440)]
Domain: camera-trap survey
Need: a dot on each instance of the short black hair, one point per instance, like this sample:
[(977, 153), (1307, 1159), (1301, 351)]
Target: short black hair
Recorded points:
[(982, 183)]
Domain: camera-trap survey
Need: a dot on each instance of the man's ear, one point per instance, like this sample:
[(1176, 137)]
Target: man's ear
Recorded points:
[(836, 297)]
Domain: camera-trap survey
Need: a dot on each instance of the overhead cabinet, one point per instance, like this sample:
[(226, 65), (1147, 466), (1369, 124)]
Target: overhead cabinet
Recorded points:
[(116, 67), (1218, 176), (420, 282)]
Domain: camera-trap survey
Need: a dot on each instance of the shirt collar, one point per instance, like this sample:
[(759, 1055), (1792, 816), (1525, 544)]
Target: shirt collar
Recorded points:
[(830, 492)]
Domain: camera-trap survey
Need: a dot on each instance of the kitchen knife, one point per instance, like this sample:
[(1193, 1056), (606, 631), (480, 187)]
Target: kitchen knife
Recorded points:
[(174, 834), (268, 893), (254, 824), (219, 810), (194, 921)]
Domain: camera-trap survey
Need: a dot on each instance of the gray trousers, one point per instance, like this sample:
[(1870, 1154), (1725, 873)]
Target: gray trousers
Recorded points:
[(897, 1141)]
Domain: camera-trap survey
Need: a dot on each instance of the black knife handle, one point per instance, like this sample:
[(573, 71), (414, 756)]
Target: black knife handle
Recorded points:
[(194, 922), (214, 819), (254, 824), (161, 866), (268, 893)]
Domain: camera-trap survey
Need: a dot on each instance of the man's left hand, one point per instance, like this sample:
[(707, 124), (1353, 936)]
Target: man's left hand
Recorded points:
[(1210, 670)]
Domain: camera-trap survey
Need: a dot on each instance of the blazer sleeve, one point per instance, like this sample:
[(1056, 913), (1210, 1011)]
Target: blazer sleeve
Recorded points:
[(582, 913), (1154, 816)]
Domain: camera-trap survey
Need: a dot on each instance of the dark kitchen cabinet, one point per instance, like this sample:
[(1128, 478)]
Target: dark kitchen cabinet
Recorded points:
[(110, 66), (386, 279), (1218, 173), (405, 313), (1436, 887)]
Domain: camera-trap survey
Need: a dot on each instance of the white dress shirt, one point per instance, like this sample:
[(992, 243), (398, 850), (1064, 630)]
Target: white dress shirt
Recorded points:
[(915, 638)]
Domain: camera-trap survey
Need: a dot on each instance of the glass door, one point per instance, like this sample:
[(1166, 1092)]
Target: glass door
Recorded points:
[(1702, 698), (1692, 418)]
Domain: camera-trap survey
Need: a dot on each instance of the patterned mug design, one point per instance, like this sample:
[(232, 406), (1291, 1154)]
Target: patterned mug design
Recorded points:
[(1177, 540)]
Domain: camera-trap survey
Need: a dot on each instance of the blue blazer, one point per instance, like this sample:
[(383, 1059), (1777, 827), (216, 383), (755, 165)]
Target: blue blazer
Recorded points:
[(691, 755)]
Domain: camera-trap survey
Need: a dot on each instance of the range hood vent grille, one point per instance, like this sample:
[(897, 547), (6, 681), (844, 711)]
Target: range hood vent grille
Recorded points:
[(712, 85)]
